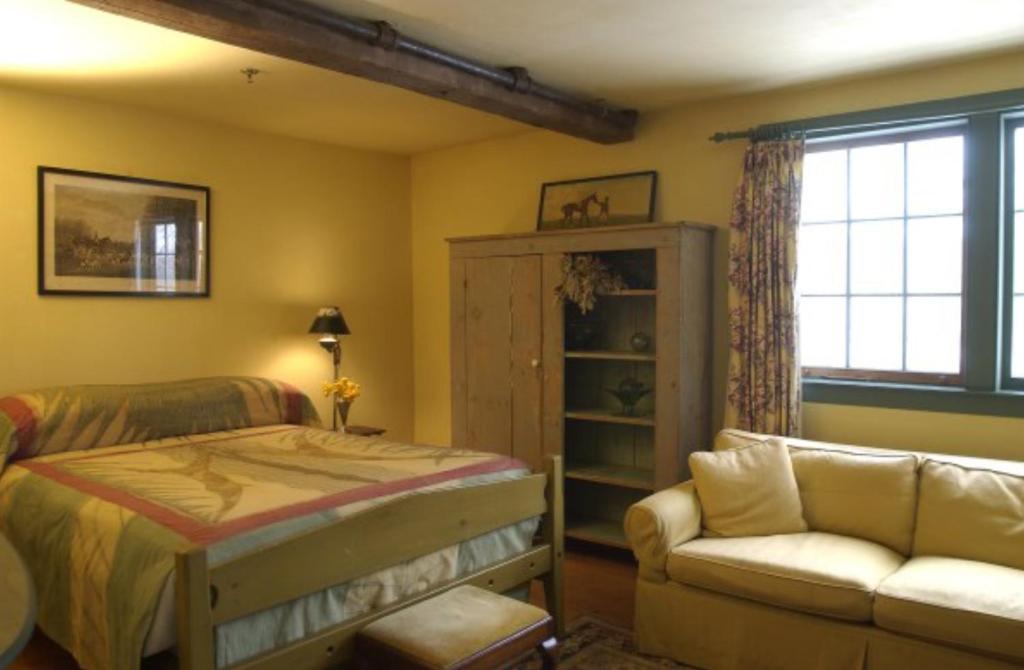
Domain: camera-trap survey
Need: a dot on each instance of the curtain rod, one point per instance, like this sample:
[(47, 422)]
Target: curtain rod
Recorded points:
[(998, 101)]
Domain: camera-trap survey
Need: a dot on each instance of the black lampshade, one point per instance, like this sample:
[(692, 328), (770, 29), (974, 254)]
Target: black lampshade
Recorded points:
[(329, 320)]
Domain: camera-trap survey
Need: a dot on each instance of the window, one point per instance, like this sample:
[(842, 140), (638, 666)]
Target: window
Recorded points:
[(165, 236), (881, 249), (1015, 214), (912, 257)]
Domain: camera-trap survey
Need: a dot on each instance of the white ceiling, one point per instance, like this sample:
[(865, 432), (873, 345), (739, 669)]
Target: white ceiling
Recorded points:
[(653, 53), (644, 53)]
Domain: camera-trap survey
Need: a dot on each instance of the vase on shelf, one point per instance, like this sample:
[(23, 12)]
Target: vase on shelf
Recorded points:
[(629, 393), (580, 329), (640, 342)]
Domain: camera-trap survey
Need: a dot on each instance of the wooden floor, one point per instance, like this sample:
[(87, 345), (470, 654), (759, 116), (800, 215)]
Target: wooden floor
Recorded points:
[(598, 582)]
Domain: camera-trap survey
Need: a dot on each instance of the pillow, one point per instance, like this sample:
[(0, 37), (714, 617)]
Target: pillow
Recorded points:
[(730, 438), (970, 513), (748, 491), (870, 496), (72, 418)]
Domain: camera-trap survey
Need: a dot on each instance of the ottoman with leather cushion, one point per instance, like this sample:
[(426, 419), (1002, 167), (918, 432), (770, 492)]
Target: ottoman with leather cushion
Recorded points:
[(462, 629)]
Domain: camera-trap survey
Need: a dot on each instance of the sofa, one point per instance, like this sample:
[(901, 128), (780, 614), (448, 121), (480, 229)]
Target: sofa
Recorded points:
[(910, 560)]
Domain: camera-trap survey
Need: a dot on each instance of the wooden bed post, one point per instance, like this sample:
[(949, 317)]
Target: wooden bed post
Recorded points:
[(553, 530), (192, 599)]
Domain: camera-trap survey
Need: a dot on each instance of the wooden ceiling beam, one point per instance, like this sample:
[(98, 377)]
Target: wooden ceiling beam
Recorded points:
[(309, 34)]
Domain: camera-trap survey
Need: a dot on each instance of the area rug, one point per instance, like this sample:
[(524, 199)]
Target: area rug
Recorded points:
[(595, 645)]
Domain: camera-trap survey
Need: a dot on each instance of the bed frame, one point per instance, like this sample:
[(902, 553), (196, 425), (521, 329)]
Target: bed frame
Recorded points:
[(360, 545)]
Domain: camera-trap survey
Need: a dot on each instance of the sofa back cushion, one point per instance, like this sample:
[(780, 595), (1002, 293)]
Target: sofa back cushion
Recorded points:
[(863, 492), (971, 513), (748, 491), (869, 496)]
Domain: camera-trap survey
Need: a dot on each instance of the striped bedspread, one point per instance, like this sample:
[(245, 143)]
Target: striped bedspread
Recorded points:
[(99, 527)]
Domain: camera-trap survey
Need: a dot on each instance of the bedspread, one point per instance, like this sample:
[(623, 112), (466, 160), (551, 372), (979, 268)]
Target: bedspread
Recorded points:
[(99, 528)]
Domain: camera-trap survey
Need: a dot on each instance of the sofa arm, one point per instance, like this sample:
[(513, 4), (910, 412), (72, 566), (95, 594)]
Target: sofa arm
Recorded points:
[(659, 523)]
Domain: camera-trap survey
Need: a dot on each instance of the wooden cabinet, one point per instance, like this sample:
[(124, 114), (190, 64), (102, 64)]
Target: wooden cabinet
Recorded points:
[(531, 376), (497, 373)]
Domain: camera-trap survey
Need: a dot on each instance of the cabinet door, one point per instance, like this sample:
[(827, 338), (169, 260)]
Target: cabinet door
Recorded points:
[(496, 349)]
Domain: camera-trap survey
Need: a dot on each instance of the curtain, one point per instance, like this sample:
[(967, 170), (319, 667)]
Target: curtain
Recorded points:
[(764, 366)]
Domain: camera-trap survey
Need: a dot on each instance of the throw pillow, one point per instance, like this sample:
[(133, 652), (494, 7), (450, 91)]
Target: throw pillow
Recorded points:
[(748, 491)]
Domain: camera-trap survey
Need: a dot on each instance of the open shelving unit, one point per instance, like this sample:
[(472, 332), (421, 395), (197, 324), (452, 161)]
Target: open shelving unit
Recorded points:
[(609, 451)]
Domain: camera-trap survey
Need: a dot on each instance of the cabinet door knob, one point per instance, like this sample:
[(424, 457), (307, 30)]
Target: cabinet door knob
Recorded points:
[(534, 363)]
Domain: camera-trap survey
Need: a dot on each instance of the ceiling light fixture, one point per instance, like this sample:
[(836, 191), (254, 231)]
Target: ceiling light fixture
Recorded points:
[(250, 73)]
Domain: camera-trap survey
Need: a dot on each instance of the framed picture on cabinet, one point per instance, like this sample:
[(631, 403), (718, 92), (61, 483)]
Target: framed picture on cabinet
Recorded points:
[(102, 234), (612, 200)]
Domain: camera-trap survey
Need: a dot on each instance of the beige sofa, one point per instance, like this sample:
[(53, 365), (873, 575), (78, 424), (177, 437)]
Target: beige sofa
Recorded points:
[(910, 561)]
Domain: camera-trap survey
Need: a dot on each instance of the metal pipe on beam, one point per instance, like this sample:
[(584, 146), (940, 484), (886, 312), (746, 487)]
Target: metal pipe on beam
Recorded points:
[(307, 33), (511, 77), (370, 31)]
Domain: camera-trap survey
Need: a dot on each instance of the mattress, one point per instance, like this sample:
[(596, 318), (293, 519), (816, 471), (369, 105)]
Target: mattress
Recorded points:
[(99, 529)]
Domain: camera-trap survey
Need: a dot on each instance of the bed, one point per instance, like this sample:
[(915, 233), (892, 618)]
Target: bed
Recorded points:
[(216, 517)]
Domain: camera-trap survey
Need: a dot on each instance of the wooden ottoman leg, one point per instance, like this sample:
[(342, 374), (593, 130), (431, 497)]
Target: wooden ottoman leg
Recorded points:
[(549, 653)]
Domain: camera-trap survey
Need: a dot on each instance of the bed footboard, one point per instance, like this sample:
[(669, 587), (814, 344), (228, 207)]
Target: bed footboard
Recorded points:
[(369, 541)]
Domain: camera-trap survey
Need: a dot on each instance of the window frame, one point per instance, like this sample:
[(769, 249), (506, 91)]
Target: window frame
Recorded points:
[(984, 390), (903, 134)]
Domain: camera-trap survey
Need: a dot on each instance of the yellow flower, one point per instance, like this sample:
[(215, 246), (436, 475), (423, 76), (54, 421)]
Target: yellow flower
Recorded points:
[(344, 389)]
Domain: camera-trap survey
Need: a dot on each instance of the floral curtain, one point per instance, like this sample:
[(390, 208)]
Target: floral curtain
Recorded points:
[(764, 367)]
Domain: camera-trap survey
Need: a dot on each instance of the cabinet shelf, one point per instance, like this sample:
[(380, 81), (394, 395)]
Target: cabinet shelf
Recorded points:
[(602, 416), (598, 531), (604, 355), (633, 292), (613, 475)]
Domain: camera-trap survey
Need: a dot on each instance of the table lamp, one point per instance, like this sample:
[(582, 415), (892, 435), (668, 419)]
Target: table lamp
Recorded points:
[(330, 324)]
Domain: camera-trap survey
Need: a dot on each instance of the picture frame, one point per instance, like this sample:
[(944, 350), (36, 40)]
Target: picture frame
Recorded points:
[(610, 200), (113, 235)]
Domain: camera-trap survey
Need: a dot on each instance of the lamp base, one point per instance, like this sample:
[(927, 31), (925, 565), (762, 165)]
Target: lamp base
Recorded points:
[(333, 346)]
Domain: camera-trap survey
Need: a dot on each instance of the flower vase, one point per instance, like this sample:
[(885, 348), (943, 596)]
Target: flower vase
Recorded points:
[(343, 407)]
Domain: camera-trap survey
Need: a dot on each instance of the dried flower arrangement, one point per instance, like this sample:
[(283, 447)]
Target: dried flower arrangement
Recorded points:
[(584, 276)]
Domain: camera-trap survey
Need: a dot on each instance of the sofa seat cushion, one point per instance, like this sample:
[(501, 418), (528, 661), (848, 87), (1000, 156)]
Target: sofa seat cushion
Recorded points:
[(820, 573), (966, 603)]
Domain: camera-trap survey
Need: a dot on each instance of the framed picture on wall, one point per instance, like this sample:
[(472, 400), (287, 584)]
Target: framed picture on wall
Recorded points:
[(102, 234), (612, 200)]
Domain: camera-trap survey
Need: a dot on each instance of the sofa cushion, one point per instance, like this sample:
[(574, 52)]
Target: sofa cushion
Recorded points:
[(748, 491), (970, 513), (967, 603), (870, 496), (812, 572)]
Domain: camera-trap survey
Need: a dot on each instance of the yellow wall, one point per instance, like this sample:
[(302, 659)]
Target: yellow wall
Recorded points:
[(294, 225), (493, 186), (297, 224)]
